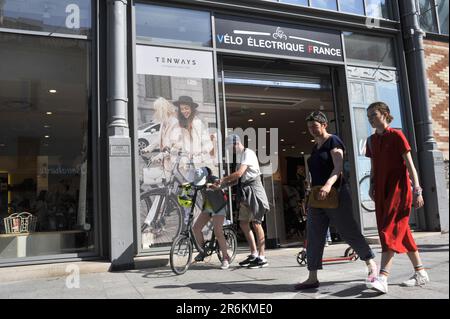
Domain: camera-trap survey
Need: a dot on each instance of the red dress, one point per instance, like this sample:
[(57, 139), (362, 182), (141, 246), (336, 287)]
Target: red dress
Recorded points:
[(393, 194)]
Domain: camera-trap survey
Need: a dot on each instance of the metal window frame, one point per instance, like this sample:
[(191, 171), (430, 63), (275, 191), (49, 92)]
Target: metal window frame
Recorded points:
[(96, 155)]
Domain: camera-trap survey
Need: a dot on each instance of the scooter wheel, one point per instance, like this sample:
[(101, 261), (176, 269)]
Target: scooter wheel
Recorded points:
[(349, 251), (301, 258)]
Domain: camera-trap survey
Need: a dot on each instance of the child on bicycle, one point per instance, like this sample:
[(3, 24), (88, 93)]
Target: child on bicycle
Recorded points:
[(215, 207)]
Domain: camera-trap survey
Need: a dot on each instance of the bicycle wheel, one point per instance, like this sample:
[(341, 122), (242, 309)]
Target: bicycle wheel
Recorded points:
[(366, 202), (181, 254), (231, 240), (166, 221)]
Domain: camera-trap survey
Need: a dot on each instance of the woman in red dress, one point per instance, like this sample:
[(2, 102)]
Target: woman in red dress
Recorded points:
[(390, 189)]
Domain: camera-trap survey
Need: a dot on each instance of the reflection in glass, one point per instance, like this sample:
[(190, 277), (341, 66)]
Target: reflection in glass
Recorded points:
[(45, 151), (378, 8), (173, 25), (324, 4), (356, 92), (361, 48), (352, 6), (427, 17), (370, 92), (442, 6), (54, 16), (299, 2)]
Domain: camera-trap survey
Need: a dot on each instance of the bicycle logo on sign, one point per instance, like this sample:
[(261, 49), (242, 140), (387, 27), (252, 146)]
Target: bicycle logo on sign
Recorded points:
[(279, 34)]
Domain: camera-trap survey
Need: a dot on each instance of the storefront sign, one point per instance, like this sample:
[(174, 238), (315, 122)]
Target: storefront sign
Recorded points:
[(119, 150), (174, 62), (279, 39), (55, 16), (377, 75)]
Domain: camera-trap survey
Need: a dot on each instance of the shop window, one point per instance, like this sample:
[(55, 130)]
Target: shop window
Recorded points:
[(298, 2), (442, 7), (44, 146), (433, 16), (53, 16), (364, 49), (379, 8), (352, 6), (177, 132), (158, 24), (324, 4), (427, 16)]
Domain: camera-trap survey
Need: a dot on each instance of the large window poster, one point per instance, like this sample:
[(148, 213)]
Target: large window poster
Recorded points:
[(177, 133)]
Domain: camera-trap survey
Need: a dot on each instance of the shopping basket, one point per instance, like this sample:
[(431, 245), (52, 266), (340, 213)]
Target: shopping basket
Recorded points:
[(20, 223)]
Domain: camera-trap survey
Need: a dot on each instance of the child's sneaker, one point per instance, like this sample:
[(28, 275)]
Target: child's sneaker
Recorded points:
[(225, 264), (419, 278), (380, 284)]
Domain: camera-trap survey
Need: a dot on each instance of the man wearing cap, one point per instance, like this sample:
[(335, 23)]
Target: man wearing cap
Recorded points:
[(252, 200)]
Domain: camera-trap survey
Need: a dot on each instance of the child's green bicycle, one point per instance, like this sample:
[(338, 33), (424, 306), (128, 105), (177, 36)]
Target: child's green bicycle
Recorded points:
[(182, 247)]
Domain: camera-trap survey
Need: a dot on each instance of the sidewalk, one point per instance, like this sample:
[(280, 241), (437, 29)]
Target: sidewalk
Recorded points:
[(207, 280)]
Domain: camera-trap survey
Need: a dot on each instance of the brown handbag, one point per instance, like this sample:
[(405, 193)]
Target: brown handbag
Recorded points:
[(331, 201)]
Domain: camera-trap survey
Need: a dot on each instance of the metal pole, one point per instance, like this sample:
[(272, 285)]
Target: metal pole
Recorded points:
[(117, 68), (431, 161), (119, 143)]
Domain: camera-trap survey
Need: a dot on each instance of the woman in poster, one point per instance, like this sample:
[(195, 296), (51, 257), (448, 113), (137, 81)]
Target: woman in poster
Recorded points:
[(168, 136), (195, 138), (169, 133)]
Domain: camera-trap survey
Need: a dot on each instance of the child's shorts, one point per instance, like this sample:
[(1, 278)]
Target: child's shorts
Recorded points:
[(222, 212)]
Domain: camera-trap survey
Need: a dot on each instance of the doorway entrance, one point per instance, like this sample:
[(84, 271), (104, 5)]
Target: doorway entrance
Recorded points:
[(268, 100)]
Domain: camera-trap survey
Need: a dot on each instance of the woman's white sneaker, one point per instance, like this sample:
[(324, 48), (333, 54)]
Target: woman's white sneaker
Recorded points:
[(380, 284), (419, 278)]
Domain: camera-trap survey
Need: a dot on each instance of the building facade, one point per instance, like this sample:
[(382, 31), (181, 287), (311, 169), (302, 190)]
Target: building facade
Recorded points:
[(107, 106)]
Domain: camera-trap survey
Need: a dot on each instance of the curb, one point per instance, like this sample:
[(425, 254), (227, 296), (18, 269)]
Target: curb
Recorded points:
[(151, 262), (32, 272)]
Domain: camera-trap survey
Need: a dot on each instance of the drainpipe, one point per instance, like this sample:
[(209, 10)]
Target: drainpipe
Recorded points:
[(431, 160), (119, 143)]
